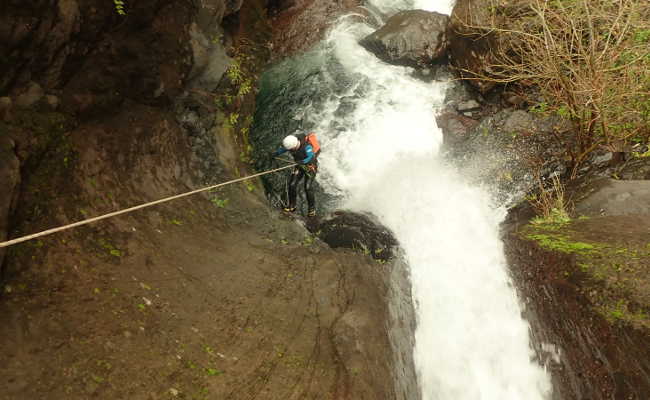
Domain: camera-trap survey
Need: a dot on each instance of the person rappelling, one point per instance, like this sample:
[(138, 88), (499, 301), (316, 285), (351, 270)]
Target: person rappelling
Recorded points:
[(305, 150)]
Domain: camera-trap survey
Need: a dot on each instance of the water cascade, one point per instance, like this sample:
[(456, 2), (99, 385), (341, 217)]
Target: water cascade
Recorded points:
[(381, 154)]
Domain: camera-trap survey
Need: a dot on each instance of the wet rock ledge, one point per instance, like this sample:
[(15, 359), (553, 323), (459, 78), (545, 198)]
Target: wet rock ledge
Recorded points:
[(585, 286)]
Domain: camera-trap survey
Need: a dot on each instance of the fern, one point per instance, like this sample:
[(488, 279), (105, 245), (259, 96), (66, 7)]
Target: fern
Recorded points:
[(119, 7)]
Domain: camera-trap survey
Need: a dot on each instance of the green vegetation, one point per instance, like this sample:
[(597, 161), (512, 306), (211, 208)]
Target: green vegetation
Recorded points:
[(589, 61), (119, 7), (611, 273), (621, 311), (212, 372), (221, 203), (236, 96), (562, 243), (550, 203), (109, 247)]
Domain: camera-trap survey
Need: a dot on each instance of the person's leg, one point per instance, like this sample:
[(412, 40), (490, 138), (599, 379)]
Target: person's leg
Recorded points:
[(309, 193), (294, 179)]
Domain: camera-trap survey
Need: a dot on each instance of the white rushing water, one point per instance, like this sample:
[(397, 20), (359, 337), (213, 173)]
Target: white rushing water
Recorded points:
[(471, 342)]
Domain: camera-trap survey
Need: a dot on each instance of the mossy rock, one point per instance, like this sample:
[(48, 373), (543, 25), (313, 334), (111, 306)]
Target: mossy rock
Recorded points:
[(612, 262)]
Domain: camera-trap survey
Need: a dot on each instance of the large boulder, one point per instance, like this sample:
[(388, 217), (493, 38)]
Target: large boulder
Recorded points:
[(473, 41), (413, 38), (356, 231), (469, 47), (609, 197)]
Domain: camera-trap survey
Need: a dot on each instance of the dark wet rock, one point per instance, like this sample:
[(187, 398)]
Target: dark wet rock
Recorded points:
[(403, 324), (456, 127), (52, 102), (277, 6), (5, 107), (210, 60), (356, 231), (211, 12), (10, 178), (458, 92), (518, 121), (513, 99), (469, 105), (636, 168), (39, 35), (94, 59), (31, 95), (614, 197), (299, 24), (208, 41), (413, 38), (469, 50)]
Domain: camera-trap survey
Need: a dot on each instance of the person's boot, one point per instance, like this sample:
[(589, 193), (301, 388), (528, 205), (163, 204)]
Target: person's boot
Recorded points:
[(311, 212), (289, 209)]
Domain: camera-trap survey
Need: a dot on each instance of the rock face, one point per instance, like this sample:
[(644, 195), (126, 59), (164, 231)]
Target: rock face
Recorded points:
[(469, 51), (635, 169), (95, 58), (299, 24), (210, 60), (32, 95), (413, 38), (10, 178), (614, 197), (501, 147), (590, 354)]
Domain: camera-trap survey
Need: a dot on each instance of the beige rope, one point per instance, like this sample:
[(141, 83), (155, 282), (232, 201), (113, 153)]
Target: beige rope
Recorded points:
[(113, 214)]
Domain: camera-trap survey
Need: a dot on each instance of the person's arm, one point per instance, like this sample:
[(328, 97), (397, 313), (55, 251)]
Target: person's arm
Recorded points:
[(310, 154), (280, 150)]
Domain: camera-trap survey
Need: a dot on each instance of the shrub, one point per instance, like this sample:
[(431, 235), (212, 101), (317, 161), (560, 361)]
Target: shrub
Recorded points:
[(589, 60)]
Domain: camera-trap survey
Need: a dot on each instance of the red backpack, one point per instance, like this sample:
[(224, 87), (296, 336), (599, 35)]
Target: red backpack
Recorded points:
[(313, 141)]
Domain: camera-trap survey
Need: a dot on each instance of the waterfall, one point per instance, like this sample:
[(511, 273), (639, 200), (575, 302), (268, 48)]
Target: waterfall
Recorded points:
[(381, 154)]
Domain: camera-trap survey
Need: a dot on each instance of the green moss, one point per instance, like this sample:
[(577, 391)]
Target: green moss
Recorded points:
[(619, 311), (611, 273), (562, 243), (556, 218), (109, 247)]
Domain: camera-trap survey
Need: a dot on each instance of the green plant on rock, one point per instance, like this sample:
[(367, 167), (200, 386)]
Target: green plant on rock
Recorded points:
[(562, 243), (233, 118), (109, 247), (620, 311), (550, 203), (212, 372), (119, 7), (221, 203)]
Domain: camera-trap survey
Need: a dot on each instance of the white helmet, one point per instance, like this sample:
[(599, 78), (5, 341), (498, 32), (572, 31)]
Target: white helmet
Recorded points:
[(290, 142)]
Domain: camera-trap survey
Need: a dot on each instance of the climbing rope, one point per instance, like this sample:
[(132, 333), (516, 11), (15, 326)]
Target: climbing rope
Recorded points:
[(128, 210)]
